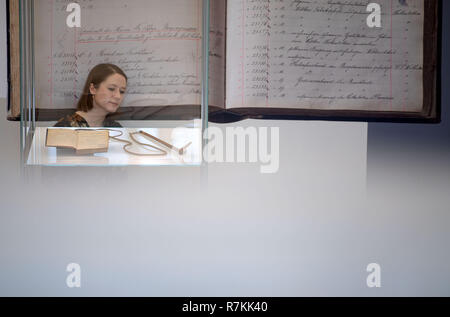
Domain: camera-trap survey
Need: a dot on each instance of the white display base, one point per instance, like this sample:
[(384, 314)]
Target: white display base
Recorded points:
[(116, 156)]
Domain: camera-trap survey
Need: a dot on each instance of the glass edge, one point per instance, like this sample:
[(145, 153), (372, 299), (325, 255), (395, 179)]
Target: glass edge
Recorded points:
[(205, 69)]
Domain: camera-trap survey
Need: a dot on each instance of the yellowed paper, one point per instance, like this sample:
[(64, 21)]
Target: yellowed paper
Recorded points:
[(321, 54), (156, 42)]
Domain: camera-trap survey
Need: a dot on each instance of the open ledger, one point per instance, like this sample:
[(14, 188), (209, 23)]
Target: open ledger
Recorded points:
[(83, 141), (276, 59)]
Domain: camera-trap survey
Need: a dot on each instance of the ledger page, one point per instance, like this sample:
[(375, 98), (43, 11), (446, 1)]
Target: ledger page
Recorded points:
[(321, 54), (156, 42)]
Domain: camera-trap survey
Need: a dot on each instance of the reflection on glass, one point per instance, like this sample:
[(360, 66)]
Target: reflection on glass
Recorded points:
[(106, 64)]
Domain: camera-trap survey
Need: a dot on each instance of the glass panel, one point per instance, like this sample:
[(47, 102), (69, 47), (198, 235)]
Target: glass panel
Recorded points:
[(27, 119), (133, 71)]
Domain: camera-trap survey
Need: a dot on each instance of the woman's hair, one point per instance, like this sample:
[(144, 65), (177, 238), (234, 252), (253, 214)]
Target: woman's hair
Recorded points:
[(96, 76)]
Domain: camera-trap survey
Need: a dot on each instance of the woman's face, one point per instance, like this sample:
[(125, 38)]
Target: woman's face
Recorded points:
[(110, 93)]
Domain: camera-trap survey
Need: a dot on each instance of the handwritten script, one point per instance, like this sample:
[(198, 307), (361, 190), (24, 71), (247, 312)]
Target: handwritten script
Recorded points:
[(321, 54)]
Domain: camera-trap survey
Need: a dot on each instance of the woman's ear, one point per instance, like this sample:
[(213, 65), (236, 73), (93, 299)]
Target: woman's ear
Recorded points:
[(92, 89)]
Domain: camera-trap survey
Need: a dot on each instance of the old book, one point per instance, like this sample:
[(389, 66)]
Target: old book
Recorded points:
[(83, 141), (320, 59), (284, 59)]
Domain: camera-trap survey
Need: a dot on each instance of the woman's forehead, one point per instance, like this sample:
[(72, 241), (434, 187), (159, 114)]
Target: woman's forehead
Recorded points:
[(116, 79)]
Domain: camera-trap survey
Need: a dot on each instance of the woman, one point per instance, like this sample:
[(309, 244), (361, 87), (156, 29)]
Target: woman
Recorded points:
[(103, 94)]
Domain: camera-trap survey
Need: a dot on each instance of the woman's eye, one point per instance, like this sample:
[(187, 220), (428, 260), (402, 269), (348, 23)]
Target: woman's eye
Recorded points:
[(111, 89), (122, 92)]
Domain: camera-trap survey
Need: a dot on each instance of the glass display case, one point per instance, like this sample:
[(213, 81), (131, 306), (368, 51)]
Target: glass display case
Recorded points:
[(110, 82)]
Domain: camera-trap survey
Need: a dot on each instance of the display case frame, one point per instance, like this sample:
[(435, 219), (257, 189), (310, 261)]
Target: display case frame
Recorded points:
[(22, 100)]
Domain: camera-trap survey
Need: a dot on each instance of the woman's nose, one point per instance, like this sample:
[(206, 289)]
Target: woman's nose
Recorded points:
[(116, 94)]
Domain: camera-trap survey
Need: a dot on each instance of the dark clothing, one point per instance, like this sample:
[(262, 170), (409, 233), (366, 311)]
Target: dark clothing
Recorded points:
[(76, 121)]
